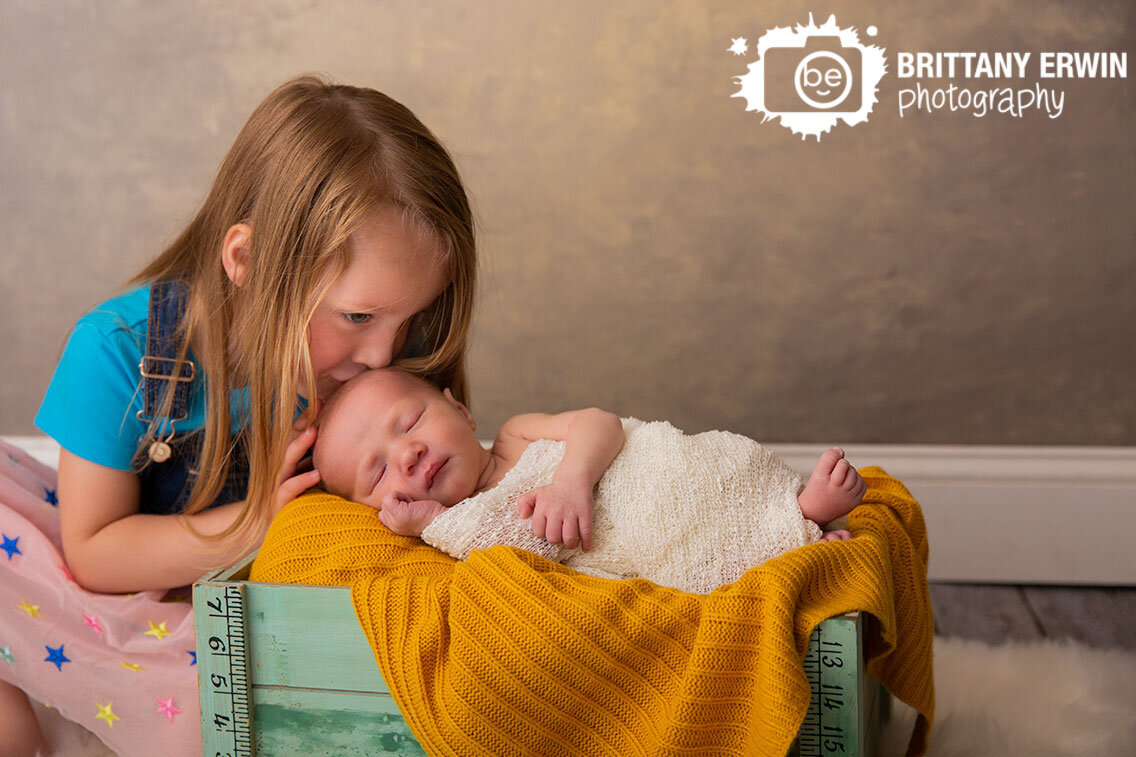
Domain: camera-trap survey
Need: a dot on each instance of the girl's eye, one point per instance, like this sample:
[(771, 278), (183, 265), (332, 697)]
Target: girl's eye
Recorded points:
[(415, 421), (358, 319)]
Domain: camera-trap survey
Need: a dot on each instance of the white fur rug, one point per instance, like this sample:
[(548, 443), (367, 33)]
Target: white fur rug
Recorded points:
[(1044, 699)]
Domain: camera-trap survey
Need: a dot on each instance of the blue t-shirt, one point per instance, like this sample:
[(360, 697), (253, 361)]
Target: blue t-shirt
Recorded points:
[(91, 406)]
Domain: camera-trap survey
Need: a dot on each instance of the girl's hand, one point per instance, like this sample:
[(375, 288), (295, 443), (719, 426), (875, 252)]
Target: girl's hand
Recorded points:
[(406, 516), (560, 515), (293, 480)]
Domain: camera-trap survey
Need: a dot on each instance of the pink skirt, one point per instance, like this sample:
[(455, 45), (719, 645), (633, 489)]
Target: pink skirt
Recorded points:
[(123, 666)]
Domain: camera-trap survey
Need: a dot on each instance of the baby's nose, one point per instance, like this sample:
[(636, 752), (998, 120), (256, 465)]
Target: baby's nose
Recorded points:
[(411, 455)]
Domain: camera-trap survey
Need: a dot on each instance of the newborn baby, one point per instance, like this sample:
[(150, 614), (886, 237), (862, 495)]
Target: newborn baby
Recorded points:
[(689, 511)]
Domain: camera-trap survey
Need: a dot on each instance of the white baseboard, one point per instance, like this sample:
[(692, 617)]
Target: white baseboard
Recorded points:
[(42, 448), (1020, 515), (995, 514)]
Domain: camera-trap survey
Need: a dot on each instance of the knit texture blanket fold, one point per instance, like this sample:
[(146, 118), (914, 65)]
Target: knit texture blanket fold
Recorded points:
[(508, 653)]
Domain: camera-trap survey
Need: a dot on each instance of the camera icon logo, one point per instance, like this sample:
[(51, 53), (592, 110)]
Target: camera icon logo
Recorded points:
[(822, 79), (813, 77)]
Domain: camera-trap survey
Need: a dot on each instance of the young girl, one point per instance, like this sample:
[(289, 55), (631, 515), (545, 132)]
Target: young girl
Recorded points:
[(337, 237)]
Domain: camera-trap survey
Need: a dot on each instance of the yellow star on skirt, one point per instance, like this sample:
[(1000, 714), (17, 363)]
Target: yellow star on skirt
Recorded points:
[(132, 665), (31, 610), (106, 714), (157, 630)]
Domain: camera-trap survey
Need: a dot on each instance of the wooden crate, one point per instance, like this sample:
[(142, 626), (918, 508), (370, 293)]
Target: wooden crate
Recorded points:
[(285, 670), (847, 705)]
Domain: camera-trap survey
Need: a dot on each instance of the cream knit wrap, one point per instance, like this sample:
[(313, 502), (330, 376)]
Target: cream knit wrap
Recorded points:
[(689, 511)]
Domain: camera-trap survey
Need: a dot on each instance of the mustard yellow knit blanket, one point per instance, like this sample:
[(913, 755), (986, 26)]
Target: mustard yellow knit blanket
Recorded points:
[(507, 653)]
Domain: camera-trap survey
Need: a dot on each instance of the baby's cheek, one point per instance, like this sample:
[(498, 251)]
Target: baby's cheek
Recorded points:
[(375, 498), (331, 475)]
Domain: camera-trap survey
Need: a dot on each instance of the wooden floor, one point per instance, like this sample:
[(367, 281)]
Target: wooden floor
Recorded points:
[(1095, 616)]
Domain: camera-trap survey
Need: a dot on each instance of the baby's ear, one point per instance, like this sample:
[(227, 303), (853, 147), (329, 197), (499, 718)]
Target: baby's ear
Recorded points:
[(461, 408)]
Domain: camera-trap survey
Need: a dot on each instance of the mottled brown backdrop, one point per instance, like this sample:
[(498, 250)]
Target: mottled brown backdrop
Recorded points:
[(647, 245)]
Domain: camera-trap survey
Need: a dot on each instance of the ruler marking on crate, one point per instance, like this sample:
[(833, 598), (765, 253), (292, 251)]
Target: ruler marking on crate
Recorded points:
[(223, 672), (832, 667)]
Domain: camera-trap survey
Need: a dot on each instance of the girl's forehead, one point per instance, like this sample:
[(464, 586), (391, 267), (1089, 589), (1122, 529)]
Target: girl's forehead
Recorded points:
[(391, 235), (391, 265)]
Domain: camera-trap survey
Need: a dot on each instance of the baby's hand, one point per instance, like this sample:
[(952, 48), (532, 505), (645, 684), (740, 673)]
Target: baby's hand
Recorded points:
[(406, 516), (559, 515)]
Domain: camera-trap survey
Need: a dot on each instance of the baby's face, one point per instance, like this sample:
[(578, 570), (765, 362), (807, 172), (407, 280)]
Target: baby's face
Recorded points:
[(394, 433)]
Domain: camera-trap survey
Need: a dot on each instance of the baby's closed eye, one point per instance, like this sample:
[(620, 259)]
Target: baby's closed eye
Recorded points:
[(380, 474)]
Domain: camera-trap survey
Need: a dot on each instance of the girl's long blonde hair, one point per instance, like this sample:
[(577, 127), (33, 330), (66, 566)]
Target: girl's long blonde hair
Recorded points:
[(313, 159)]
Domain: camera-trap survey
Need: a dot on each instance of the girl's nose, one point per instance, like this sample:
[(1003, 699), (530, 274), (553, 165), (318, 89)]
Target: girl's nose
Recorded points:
[(377, 351)]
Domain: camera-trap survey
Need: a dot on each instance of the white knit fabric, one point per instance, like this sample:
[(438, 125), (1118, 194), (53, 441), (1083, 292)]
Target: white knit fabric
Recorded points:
[(689, 511)]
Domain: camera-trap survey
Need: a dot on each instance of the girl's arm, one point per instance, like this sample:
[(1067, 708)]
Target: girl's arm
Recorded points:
[(111, 547), (562, 511)]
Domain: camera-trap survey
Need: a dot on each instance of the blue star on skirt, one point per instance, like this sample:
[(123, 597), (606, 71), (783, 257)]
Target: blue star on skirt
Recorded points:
[(56, 656), (10, 546), (192, 654), (49, 497)]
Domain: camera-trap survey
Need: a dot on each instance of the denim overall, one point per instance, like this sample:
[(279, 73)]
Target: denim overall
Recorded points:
[(166, 485)]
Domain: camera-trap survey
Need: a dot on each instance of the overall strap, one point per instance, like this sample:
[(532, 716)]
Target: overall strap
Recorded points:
[(160, 364)]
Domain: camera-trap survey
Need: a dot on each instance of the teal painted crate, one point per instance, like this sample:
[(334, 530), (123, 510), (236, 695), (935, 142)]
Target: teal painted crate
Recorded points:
[(285, 670), (846, 705)]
